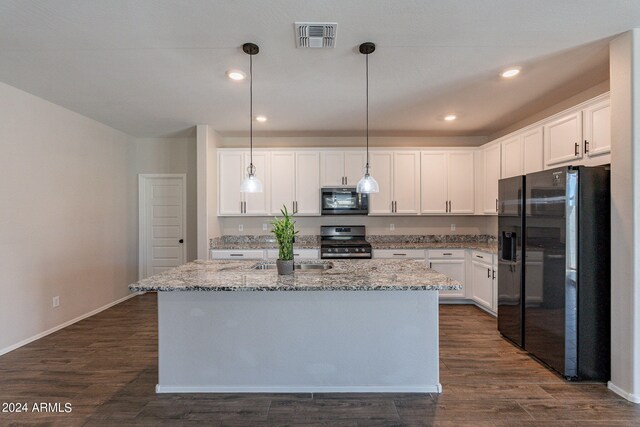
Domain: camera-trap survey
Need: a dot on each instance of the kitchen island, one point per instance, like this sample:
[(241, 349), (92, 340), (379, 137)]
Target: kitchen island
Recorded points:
[(339, 326)]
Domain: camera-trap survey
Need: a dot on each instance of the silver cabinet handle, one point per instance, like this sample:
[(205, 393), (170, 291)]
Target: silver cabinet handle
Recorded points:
[(496, 205), (346, 180), (586, 146), (577, 147), (236, 254), (447, 254), (479, 256), (399, 254)]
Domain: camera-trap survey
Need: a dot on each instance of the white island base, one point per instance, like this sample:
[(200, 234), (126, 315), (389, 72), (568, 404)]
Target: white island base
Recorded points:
[(305, 341)]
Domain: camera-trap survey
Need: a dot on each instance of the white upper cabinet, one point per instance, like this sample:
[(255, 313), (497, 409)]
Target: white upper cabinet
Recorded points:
[(340, 168), (398, 175), (381, 168), (532, 148), (563, 139), (522, 153), (283, 175), (354, 162), (307, 183), (296, 182), (491, 168), (232, 170), (434, 182), (447, 182), (461, 177), (597, 129), (512, 156), (406, 182)]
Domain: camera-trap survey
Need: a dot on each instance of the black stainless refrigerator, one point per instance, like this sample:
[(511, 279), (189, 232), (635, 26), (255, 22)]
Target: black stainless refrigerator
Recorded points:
[(511, 226), (567, 278)]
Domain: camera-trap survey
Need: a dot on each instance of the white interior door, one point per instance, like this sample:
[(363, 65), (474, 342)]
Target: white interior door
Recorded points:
[(162, 223)]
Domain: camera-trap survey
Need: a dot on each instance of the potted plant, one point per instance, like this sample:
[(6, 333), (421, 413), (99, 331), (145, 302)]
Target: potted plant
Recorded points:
[(284, 230)]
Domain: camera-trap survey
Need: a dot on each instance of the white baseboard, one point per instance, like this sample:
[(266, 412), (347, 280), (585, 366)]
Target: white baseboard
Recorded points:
[(635, 398), (436, 388), (65, 324)]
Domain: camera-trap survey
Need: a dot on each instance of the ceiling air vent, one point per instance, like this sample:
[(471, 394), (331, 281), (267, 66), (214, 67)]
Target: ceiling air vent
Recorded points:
[(316, 34)]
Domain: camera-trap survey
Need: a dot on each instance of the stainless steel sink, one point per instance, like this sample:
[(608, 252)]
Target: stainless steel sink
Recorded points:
[(306, 267)]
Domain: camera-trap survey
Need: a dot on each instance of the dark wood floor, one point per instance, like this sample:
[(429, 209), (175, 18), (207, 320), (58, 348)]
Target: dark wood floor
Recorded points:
[(105, 367)]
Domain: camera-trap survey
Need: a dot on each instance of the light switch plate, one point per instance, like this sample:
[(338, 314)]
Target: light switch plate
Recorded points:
[(392, 227), (240, 227), (265, 227), (56, 301), (453, 227)]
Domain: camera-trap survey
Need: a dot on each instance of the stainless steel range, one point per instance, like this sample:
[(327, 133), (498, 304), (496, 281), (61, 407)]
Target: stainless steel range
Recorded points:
[(344, 241)]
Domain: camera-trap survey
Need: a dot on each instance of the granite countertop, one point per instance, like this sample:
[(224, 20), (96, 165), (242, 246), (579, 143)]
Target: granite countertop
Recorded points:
[(486, 247), (346, 275)]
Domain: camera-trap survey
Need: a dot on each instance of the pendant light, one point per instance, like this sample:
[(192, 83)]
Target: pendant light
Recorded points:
[(251, 183), (367, 183)]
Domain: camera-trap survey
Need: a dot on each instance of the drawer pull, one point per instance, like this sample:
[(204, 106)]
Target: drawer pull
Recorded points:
[(236, 254), (399, 254), (479, 256), (447, 254)]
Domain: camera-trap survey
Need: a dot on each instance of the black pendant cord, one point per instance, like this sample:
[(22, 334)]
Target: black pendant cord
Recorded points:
[(367, 67), (251, 114)]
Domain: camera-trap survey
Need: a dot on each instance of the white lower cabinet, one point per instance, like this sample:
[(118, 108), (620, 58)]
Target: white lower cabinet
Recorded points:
[(236, 254), (451, 263), (398, 253), (297, 253), (485, 281)]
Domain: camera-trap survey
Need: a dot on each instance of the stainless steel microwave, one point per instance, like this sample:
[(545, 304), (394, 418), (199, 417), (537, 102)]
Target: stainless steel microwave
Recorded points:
[(343, 201)]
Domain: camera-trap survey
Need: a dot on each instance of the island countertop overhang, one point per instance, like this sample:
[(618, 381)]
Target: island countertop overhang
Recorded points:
[(345, 275)]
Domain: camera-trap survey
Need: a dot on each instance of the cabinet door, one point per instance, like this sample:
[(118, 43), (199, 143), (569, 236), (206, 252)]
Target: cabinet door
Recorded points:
[(231, 171), (354, 162), (283, 178), (512, 157), (532, 150), (491, 178), (461, 178), (406, 182), (433, 182), (258, 203), (597, 129), (563, 139), (307, 183), (381, 163), (482, 283), (453, 268), (332, 168)]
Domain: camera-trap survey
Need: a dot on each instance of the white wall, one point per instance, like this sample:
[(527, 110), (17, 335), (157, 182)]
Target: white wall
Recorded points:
[(625, 215), (173, 155), (68, 215)]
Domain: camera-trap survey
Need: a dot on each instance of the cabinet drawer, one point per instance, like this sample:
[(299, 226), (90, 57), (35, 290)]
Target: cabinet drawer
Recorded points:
[(297, 254), (399, 253), (240, 255), (484, 257), (446, 253)]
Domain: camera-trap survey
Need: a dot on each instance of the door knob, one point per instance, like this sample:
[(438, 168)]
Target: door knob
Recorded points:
[(181, 241)]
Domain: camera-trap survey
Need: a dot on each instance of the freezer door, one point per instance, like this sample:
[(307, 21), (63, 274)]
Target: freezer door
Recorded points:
[(510, 256), (546, 271)]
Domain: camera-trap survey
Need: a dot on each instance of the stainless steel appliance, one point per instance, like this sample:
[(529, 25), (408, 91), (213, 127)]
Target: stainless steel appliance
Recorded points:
[(344, 241), (567, 297), (511, 225), (343, 201)]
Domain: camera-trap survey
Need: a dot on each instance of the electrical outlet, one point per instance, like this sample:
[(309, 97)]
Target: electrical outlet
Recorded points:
[(56, 301), (453, 227), (265, 227), (240, 227), (392, 227)]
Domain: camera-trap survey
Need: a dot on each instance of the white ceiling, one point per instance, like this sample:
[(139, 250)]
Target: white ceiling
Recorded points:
[(157, 67)]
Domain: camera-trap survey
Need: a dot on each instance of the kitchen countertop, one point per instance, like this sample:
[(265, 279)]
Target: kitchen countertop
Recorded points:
[(346, 275), (486, 247)]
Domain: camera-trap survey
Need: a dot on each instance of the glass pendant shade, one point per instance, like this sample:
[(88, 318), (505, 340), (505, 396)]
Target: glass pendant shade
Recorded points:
[(251, 183), (367, 184)]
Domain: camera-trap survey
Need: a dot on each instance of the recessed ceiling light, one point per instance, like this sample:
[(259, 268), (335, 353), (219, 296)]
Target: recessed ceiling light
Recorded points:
[(261, 119), (236, 75), (510, 72), (450, 117)]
